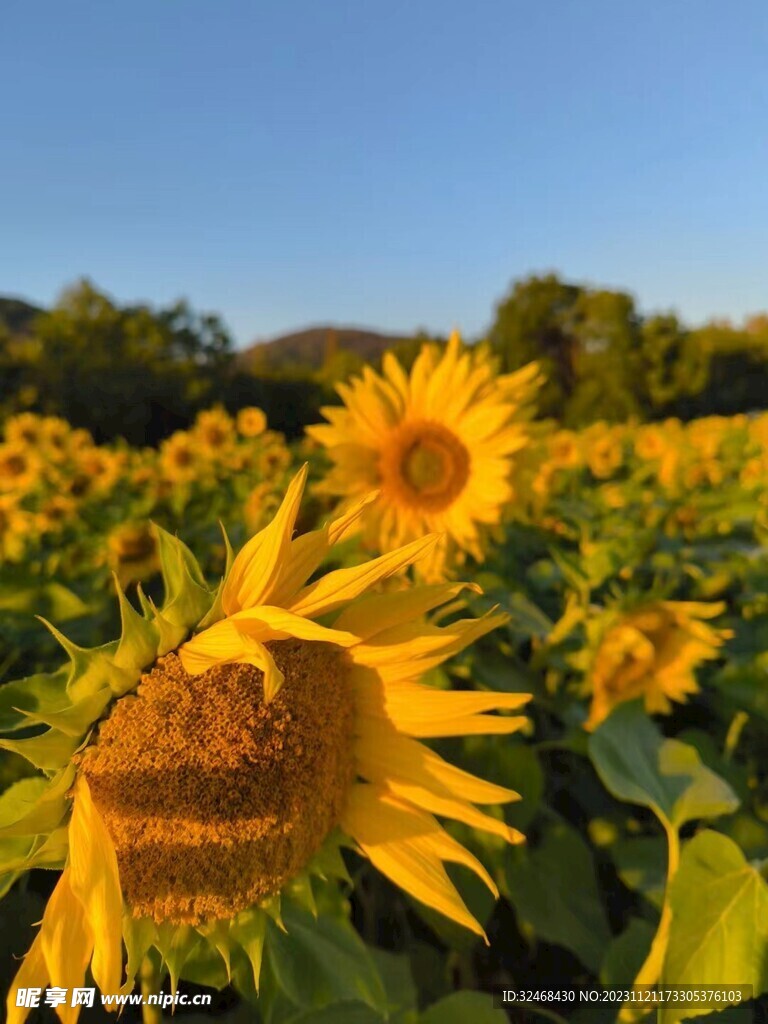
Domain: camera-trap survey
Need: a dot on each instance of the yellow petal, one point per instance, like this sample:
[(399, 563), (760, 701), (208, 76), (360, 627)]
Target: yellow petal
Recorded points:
[(256, 568), (95, 881), (226, 644), (33, 973), (458, 810), (382, 754), (66, 941), (343, 585), (307, 552), (392, 836), (423, 711), (269, 623), (375, 613)]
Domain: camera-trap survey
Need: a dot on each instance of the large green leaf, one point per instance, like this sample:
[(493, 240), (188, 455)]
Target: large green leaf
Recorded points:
[(324, 961), (553, 889), (638, 765), (719, 932), (464, 1008)]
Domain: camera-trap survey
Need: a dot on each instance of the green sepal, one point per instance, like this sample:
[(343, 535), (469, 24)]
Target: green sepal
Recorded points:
[(49, 751), (216, 934), (139, 933), (32, 695), (40, 810), (74, 719), (216, 611), (187, 598), (19, 797), (299, 889), (138, 638), (249, 929), (175, 944), (272, 907), (328, 862), (92, 669), (170, 634), (22, 853), (204, 966), (147, 608)]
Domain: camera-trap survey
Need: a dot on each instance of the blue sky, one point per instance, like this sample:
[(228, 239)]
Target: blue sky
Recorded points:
[(390, 163)]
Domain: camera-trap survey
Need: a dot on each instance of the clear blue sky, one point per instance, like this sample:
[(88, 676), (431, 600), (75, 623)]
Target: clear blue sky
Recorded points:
[(391, 163)]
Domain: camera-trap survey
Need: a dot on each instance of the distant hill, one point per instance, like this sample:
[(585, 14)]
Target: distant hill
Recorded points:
[(310, 348), (16, 315)]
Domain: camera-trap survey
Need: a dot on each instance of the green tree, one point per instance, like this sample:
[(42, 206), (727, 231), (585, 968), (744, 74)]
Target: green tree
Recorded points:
[(131, 371), (536, 321)]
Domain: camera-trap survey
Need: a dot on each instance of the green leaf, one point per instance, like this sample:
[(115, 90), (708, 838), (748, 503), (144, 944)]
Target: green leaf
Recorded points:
[(626, 954), (395, 972), (641, 863), (719, 931), (52, 599), (636, 764), (554, 891), (463, 1008), (337, 1013), (323, 961)]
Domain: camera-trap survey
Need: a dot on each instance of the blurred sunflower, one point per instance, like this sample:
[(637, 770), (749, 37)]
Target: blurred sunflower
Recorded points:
[(650, 652), (132, 552), (251, 422), (214, 430), (25, 428), (438, 445), (20, 468), (179, 461), (220, 751), (16, 528)]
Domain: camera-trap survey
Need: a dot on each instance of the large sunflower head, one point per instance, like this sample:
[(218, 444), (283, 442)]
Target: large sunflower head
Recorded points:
[(199, 771), (651, 652), (438, 444)]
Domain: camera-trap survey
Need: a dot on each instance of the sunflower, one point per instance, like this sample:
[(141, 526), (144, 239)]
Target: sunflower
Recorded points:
[(179, 461), (132, 552), (651, 652), (438, 445), (214, 431), (251, 421), (20, 468), (203, 767)]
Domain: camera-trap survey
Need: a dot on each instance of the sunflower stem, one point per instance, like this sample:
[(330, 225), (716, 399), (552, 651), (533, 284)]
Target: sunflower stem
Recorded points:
[(151, 978)]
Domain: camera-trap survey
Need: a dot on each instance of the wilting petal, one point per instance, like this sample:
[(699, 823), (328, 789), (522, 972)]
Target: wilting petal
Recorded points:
[(95, 881)]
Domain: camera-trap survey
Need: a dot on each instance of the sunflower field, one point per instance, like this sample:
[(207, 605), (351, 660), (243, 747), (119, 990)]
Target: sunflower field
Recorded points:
[(440, 701)]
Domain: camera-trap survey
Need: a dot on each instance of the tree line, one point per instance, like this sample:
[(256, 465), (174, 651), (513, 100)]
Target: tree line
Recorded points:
[(139, 372)]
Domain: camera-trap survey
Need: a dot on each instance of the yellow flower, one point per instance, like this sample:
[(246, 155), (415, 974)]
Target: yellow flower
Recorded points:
[(178, 457), (214, 431), (251, 422), (438, 445), (603, 450), (292, 714), (650, 443), (20, 468), (564, 450), (16, 525), (26, 428), (132, 552), (56, 512), (652, 652)]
